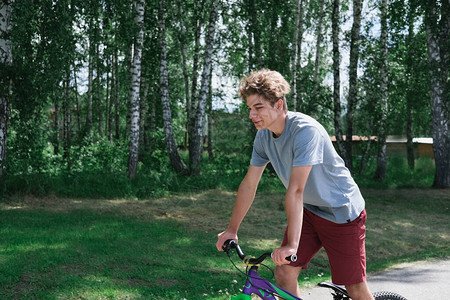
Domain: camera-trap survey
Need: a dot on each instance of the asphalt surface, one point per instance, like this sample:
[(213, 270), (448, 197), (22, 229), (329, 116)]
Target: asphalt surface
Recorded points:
[(415, 281)]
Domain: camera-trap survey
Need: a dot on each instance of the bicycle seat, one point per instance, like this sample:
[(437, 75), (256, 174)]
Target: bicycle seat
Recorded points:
[(338, 289)]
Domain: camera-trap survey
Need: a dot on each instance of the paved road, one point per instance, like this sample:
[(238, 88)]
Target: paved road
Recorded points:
[(427, 280)]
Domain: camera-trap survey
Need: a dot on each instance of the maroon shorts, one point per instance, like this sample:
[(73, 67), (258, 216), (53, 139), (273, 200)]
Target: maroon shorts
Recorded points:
[(343, 243)]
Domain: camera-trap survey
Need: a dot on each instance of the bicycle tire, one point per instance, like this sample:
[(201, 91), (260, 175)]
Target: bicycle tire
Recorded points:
[(387, 296)]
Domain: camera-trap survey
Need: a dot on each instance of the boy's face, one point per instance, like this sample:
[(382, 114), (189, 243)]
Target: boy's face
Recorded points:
[(262, 114)]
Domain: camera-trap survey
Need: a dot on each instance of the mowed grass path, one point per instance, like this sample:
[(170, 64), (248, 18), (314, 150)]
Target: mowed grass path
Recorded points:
[(164, 248)]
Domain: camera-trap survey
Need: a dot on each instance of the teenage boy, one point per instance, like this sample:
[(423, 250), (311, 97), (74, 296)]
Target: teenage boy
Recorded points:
[(324, 206)]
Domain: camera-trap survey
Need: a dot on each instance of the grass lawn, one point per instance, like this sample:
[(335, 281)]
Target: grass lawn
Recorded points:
[(164, 248)]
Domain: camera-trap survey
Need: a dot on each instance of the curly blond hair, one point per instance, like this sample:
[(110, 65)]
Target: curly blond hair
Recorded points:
[(267, 83)]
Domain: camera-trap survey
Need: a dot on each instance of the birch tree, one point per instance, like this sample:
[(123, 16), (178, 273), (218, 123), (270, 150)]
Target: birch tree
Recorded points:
[(67, 119), (335, 27), (353, 79), (5, 69), (410, 91), (90, 83), (296, 53), (175, 159), (319, 38), (437, 15), (196, 147), (191, 112), (183, 45), (139, 6), (380, 173)]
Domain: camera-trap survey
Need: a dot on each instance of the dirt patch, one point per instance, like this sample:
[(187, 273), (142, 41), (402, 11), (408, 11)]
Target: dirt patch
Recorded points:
[(198, 211)]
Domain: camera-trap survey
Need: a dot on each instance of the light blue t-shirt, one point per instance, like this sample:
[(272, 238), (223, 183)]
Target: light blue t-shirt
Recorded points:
[(330, 190)]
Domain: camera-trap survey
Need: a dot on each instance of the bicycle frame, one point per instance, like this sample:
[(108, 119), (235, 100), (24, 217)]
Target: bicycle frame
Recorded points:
[(262, 288), (266, 290)]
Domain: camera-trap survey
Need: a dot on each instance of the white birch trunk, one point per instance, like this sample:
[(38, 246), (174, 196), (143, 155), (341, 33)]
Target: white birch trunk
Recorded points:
[(5, 64), (296, 48), (134, 91), (90, 90), (183, 46), (175, 159), (337, 78), (353, 79), (437, 59), (380, 173), (67, 120), (315, 100), (196, 150)]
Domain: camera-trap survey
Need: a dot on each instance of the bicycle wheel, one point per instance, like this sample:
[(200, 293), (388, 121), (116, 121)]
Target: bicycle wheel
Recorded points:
[(387, 296)]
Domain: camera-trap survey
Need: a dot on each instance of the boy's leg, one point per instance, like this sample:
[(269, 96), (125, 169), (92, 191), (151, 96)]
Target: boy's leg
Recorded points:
[(310, 244), (345, 247), (287, 278), (359, 291)]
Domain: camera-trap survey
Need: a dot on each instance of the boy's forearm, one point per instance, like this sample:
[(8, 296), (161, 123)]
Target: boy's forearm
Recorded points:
[(294, 214), (244, 200)]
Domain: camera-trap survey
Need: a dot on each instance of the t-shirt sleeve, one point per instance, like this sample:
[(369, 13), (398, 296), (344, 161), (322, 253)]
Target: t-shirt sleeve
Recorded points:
[(259, 156), (308, 147)]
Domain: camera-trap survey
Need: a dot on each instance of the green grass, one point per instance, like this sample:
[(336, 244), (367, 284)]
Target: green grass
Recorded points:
[(163, 248)]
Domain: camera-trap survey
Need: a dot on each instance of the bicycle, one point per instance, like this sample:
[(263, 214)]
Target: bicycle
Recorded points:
[(267, 290)]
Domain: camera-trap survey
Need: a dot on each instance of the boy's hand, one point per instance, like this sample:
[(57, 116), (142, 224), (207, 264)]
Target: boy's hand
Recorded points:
[(223, 237), (279, 255)]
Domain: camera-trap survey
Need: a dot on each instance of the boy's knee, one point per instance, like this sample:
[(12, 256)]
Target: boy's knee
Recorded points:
[(286, 273), (359, 291)]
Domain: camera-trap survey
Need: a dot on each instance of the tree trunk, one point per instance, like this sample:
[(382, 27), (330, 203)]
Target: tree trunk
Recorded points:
[(301, 30), (365, 157), (195, 152), (175, 159), (116, 88), (250, 10), (77, 101), (143, 108), (90, 88), (194, 97), (210, 146), (437, 44), (57, 124), (353, 79), (108, 100), (99, 105), (182, 41), (410, 91), (296, 52), (153, 110), (5, 77), (135, 88), (255, 59), (316, 83), (380, 173), (337, 79), (409, 138), (67, 120)]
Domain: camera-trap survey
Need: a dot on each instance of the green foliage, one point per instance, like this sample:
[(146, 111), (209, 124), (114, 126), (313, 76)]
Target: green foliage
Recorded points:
[(55, 40), (99, 155), (398, 173)]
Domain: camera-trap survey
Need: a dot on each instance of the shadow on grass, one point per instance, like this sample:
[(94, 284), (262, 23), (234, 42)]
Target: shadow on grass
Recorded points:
[(53, 248), (81, 254)]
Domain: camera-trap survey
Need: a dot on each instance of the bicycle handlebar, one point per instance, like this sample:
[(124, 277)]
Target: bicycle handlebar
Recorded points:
[(231, 244)]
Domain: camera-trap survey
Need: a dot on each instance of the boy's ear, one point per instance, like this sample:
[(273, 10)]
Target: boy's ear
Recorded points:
[(280, 104)]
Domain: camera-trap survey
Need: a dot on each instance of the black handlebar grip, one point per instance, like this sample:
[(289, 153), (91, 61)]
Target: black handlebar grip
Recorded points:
[(292, 258)]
